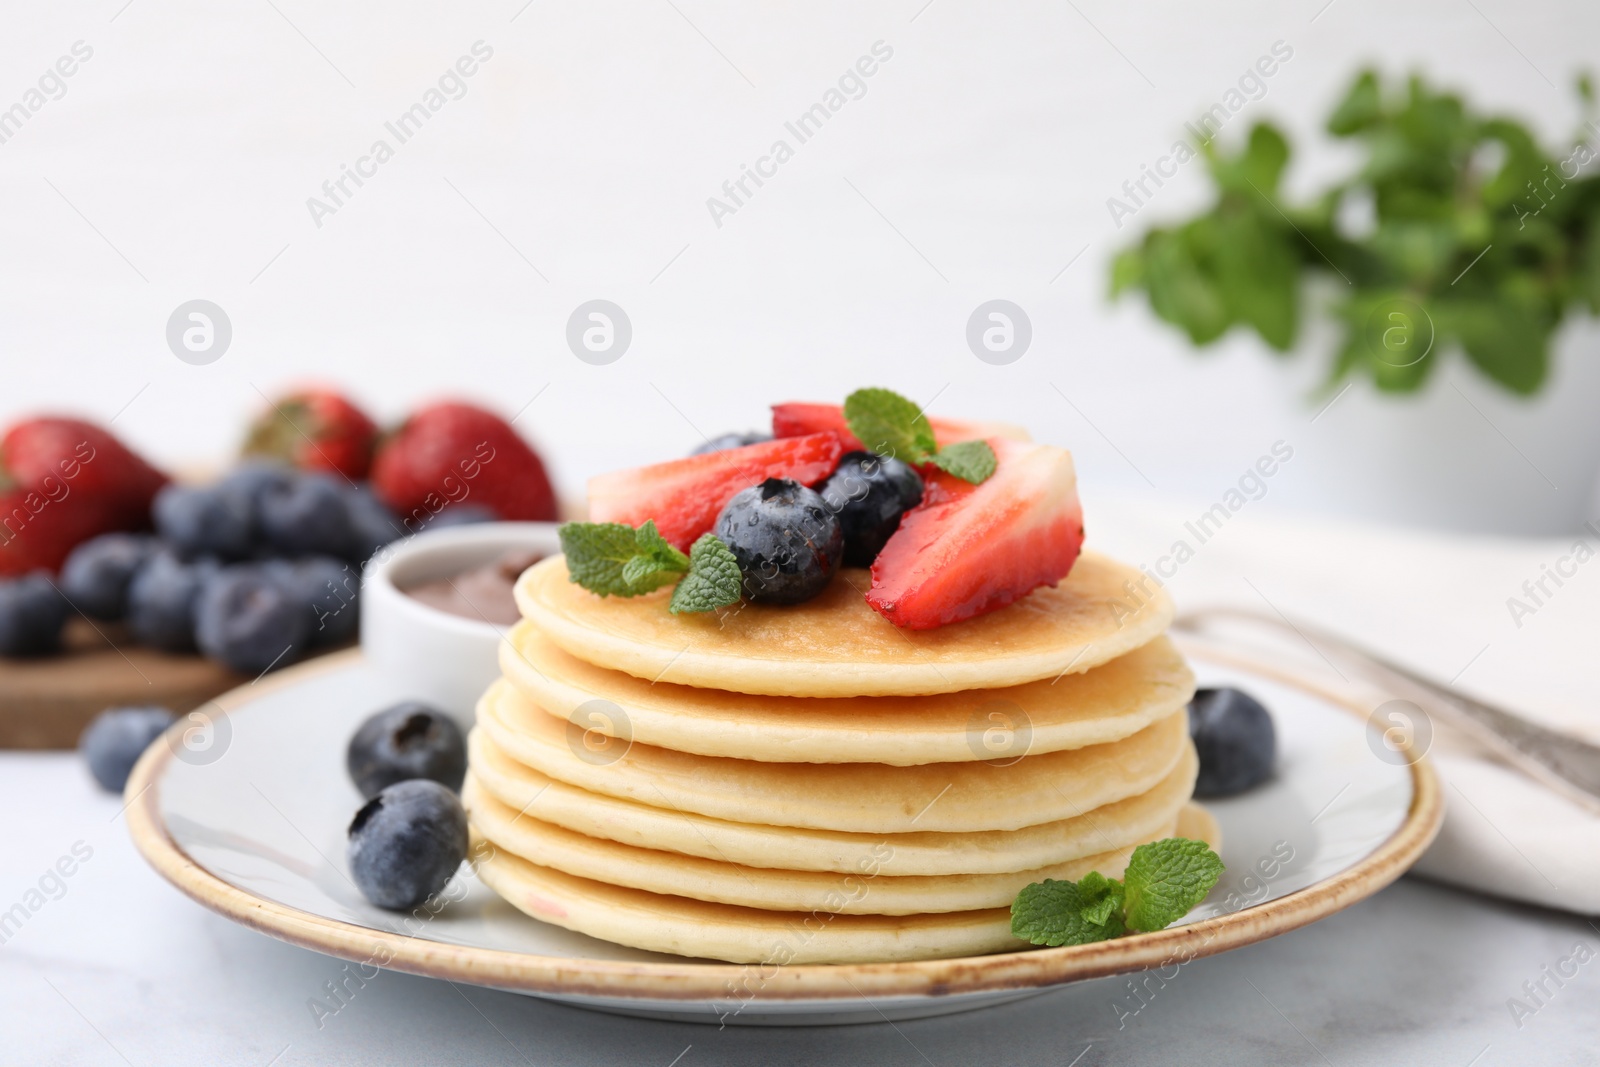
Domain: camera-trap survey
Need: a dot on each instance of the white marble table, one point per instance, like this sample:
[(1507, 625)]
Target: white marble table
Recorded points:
[(117, 967)]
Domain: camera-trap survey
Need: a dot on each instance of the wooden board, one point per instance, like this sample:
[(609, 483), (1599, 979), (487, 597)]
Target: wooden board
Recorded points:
[(46, 702)]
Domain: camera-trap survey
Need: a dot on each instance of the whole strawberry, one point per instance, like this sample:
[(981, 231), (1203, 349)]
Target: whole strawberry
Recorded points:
[(449, 453), (63, 481), (315, 429)]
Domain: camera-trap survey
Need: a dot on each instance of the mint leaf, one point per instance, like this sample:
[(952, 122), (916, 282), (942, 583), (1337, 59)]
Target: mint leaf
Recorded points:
[(1165, 879), (713, 580), (641, 574), (596, 554), (971, 461), (890, 425), (612, 559), (648, 540), (1106, 894), (657, 562), (1058, 913)]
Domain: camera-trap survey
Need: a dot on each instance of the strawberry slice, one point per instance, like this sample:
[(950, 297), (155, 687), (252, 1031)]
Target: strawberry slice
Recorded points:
[(685, 496), (792, 420), (971, 549)]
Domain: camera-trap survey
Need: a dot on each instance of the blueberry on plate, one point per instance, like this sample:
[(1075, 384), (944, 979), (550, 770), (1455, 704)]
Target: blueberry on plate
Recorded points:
[(788, 543), (409, 740), (96, 575), (208, 520), (249, 618), (406, 842), (372, 524), (726, 441), (869, 493), (329, 588), (116, 738), (31, 615), (161, 600), (1234, 737), (308, 515)]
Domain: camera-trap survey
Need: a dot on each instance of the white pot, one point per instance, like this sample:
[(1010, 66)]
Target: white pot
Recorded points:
[(441, 659), (1464, 454)]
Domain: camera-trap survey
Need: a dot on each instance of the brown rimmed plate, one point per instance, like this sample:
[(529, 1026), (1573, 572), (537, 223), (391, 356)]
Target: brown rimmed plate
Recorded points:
[(245, 807)]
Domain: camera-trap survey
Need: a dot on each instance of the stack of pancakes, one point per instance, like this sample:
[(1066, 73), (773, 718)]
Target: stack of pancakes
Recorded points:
[(810, 784)]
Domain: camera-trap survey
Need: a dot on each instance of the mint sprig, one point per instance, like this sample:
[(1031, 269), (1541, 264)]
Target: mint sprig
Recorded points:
[(613, 559), (890, 425), (1163, 882)]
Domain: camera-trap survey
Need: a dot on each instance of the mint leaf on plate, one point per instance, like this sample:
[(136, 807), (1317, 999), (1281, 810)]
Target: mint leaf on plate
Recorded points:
[(1106, 895), (1166, 879), (713, 580), (1056, 913)]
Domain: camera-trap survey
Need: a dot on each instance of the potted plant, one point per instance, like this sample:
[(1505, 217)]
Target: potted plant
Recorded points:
[(1457, 235)]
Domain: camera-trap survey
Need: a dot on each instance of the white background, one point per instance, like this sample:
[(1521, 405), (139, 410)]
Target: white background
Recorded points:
[(977, 165)]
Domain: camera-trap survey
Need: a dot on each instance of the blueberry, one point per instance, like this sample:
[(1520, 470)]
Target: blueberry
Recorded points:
[(161, 600), (116, 739), (31, 615), (406, 842), (210, 520), (249, 618), (1233, 734), (409, 740), (372, 524), (330, 589), (96, 575), (252, 478), (869, 493), (730, 440), (787, 542), (308, 515)]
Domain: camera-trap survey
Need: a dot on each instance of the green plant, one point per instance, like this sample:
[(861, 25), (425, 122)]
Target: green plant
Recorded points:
[(1475, 238)]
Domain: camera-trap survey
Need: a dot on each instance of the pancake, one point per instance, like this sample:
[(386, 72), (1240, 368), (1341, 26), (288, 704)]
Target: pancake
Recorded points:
[(661, 923), (835, 645), (1108, 703), (877, 889), (855, 797), (794, 848)]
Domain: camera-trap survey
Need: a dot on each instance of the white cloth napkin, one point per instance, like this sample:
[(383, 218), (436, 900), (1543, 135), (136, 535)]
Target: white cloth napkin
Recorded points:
[(1439, 604)]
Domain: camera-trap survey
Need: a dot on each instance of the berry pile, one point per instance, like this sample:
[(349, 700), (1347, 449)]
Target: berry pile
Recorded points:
[(259, 567), (252, 570), (955, 519)]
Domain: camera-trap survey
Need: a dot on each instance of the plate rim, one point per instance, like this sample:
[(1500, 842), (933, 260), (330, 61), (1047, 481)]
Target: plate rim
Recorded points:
[(690, 980)]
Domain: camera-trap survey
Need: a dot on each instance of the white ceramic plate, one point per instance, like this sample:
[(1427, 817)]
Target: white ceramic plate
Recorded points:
[(248, 816)]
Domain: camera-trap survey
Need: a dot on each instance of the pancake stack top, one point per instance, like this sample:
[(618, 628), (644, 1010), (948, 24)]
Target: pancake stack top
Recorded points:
[(812, 784)]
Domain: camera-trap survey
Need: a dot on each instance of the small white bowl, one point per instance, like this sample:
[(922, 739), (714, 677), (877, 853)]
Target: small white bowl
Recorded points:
[(442, 659)]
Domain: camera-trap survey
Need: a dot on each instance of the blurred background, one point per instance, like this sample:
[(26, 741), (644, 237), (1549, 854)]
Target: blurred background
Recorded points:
[(975, 163)]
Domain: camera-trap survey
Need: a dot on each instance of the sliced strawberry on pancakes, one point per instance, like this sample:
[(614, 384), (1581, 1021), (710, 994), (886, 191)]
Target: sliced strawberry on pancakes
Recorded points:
[(970, 549), (792, 420), (684, 496)]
